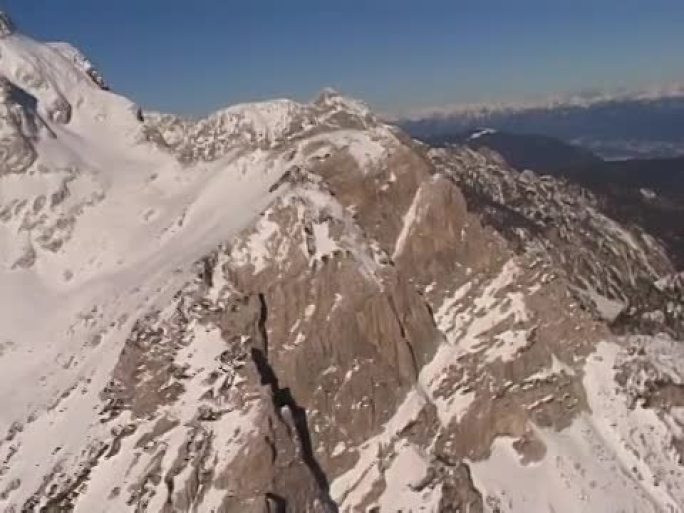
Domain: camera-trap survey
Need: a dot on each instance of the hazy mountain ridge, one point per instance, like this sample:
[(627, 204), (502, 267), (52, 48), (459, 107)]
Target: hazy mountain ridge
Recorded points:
[(631, 126), (522, 151), (645, 192), (295, 307)]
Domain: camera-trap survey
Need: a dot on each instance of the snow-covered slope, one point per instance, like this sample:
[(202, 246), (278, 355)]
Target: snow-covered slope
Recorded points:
[(100, 224), (294, 307)]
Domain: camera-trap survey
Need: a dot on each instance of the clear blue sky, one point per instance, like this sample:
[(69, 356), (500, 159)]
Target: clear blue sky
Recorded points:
[(195, 56)]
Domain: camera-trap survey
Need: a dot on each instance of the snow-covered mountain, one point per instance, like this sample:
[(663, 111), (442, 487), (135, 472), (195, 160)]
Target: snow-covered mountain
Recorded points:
[(646, 124), (295, 307), (583, 100)]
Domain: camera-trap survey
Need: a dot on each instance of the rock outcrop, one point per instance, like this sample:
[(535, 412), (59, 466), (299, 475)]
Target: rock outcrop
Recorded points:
[(6, 25)]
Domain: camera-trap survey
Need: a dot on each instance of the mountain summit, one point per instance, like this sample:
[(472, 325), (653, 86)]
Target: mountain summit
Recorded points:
[(290, 307)]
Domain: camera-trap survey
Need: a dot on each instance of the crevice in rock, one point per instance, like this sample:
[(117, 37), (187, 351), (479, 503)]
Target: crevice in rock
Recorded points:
[(279, 503), (263, 317), (431, 312), (402, 330), (283, 398), (206, 272), (309, 238)]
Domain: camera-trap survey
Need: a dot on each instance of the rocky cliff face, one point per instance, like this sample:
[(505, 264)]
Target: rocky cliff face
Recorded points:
[(290, 308)]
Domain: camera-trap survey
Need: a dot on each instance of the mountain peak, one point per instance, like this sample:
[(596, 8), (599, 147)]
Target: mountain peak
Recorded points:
[(332, 99), (328, 93), (7, 26)]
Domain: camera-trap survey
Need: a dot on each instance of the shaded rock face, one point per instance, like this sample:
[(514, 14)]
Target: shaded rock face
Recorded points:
[(394, 329), (18, 126), (6, 25)]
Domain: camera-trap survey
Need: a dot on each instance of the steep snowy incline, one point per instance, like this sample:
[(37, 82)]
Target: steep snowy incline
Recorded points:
[(94, 228), (102, 221)]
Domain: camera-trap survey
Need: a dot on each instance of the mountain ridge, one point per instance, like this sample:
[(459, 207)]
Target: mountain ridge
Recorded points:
[(482, 109), (629, 126), (645, 192)]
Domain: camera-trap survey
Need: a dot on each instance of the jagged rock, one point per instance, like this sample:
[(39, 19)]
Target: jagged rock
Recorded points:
[(81, 61), (17, 127)]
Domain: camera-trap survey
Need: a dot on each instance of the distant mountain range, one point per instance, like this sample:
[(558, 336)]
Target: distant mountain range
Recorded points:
[(644, 125), (645, 192), (522, 151)]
